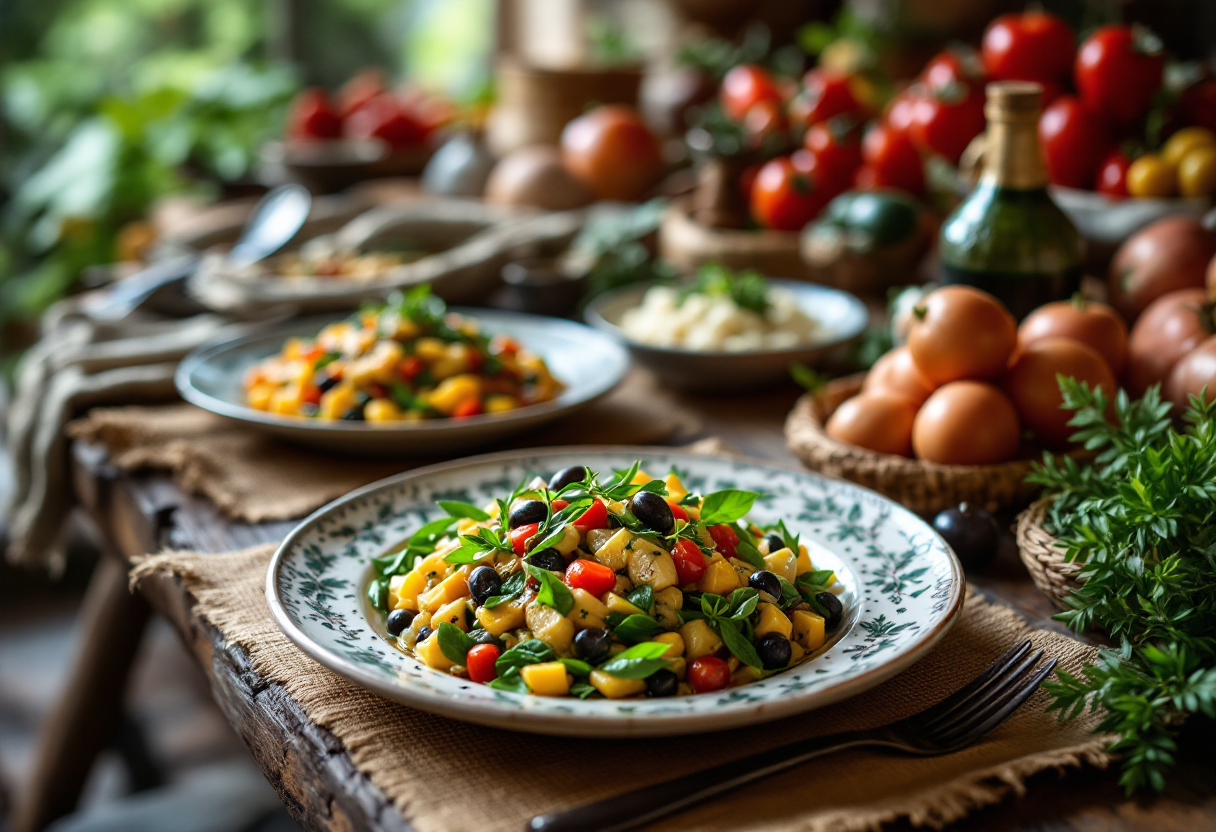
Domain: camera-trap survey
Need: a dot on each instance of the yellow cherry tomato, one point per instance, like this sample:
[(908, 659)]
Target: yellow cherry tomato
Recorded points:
[(1184, 141), (1150, 176), (1197, 172)]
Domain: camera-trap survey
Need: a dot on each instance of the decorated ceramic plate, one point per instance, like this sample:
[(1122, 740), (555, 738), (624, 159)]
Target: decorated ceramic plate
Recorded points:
[(588, 363), (900, 585)]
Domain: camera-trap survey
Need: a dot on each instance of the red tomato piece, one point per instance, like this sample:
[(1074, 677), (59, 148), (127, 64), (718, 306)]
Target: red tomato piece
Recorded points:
[(1035, 46), (558, 505), (467, 408), (1118, 71), (743, 87), (708, 673), (591, 576), (384, 118), (409, 367), (360, 89), (595, 517), (725, 539), (677, 511), (958, 65), (826, 93), (313, 117), (892, 157), (690, 561), (480, 663), (836, 146), (519, 537), (784, 197), (1112, 174), (1074, 141), (311, 395)]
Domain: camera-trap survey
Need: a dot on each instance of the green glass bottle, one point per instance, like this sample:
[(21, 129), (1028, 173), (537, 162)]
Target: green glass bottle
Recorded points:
[(1008, 237)]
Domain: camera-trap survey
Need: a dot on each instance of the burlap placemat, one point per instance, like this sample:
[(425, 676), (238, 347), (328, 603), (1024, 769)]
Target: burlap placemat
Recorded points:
[(444, 775), (254, 477)]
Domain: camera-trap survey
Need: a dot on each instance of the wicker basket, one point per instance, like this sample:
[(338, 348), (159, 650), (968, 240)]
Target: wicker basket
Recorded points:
[(686, 244), (924, 487), (1044, 558)]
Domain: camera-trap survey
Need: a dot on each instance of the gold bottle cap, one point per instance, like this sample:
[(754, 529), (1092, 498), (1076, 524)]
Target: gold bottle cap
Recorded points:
[(1013, 100)]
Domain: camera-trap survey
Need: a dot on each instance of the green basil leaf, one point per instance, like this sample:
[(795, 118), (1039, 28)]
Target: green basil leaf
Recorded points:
[(472, 550), (791, 540), (553, 593), (635, 628), (655, 487), (726, 506), (454, 642), (582, 690), (510, 590), (814, 581), (742, 602), (401, 560), (578, 667), (692, 615), (642, 598), (790, 596), (738, 644), (637, 662), (377, 593), (555, 527), (510, 681), (749, 554), (326, 360), (714, 605), (532, 651), (463, 510)]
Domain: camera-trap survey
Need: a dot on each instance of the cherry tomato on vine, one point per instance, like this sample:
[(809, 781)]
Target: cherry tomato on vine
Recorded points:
[(690, 561), (1118, 71), (708, 673), (591, 576), (480, 663), (1035, 46), (785, 198), (826, 93), (836, 146), (1112, 174), (743, 87), (1074, 142)]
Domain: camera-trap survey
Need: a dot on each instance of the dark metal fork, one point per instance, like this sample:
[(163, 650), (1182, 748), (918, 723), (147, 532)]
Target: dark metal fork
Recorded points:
[(952, 724)]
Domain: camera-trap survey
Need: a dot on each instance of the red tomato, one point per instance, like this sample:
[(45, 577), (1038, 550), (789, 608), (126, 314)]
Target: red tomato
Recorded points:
[(558, 505), (383, 117), (690, 561), (825, 93), (784, 197), (958, 65), (765, 118), (519, 537), (360, 89), (1112, 174), (311, 395), (708, 673), (409, 367), (467, 408), (725, 539), (899, 112), (944, 122), (1118, 71), (1074, 142), (612, 151), (743, 87), (1198, 103), (836, 146), (677, 511), (591, 576), (313, 117), (595, 517), (893, 159), (480, 663), (1035, 46)]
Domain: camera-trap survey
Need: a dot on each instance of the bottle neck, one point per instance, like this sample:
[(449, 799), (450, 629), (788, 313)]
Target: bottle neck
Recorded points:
[(1013, 157)]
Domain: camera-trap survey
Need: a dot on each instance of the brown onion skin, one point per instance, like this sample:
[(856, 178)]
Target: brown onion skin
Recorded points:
[(1170, 254), (1032, 385), (1194, 372), (1170, 327), (1091, 323), (879, 422), (967, 423)]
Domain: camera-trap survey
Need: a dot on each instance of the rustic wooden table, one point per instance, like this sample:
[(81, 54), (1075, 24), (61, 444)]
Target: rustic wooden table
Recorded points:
[(309, 767)]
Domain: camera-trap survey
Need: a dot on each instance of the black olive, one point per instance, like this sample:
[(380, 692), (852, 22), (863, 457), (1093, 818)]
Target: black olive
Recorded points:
[(592, 643), (424, 634), (775, 543), (774, 651), (484, 582), (764, 581), (529, 511), (971, 532), (652, 511), (324, 381), (355, 414), (662, 683), (833, 607), (567, 476), (548, 559), (485, 637), (398, 620)]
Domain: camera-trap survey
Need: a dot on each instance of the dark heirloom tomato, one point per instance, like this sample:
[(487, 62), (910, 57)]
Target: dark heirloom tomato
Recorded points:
[(1035, 46), (1119, 69), (707, 674), (1074, 141), (745, 86), (690, 562), (1171, 326)]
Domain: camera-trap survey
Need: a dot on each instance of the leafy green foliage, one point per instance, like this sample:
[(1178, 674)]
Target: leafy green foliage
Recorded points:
[(726, 506), (454, 642), (638, 661), (1141, 520), (553, 593), (746, 287)]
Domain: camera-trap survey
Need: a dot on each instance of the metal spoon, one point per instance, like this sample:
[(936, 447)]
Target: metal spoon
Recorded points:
[(274, 221)]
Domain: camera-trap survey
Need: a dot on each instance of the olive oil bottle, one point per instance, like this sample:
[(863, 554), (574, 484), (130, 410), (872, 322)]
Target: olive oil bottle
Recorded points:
[(1008, 237)]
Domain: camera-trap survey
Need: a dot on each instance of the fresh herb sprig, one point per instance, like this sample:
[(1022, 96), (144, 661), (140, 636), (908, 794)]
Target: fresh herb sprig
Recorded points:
[(1142, 520), (746, 287)]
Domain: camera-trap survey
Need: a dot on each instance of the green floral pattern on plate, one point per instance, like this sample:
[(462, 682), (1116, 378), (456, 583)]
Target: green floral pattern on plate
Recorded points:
[(902, 588)]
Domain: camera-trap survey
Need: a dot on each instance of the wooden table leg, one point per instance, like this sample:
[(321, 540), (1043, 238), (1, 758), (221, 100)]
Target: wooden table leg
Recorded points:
[(83, 720)]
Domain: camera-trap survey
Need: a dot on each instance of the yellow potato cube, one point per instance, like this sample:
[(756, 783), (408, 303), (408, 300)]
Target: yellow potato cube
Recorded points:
[(429, 653), (615, 603), (455, 613), (453, 392), (568, 542), (641, 478), (382, 410), (285, 401), (699, 639), (804, 560), (259, 395), (550, 626), (648, 564), (614, 687), (449, 589), (587, 611), (783, 563), (675, 489), (407, 590), (744, 674), (678, 665), (796, 653), (674, 642), (719, 577), (433, 567), (504, 617), (613, 551), (808, 630), (430, 349), (500, 404), (546, 679), (773, 620), (336, 401)]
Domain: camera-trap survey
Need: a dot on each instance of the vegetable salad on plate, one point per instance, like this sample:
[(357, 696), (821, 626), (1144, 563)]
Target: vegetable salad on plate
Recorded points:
[(605, 587), (408, 360)]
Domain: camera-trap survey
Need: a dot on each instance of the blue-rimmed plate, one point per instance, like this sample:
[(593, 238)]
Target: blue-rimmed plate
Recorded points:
[(589, 363), (903, 589)]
